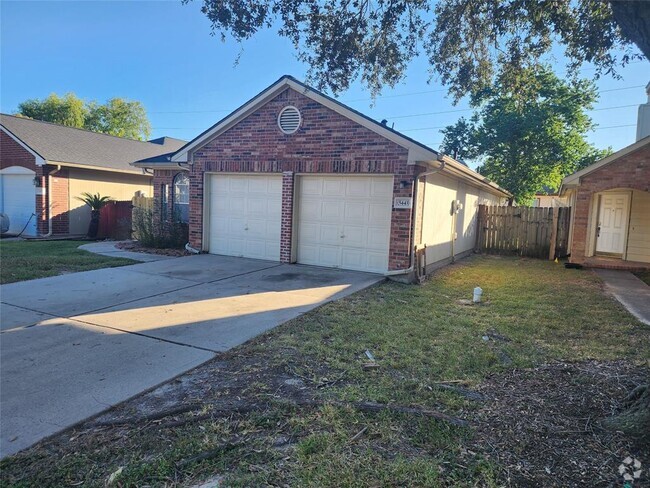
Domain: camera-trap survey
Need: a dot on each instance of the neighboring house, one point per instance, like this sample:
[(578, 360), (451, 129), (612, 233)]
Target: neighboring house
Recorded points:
[(45, 166), (610, 222), (553, 200), (295, 176)]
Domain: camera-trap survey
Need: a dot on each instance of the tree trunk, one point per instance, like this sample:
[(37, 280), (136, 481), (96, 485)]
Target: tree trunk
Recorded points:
[(635, 419), (93, 227), (633, 18)]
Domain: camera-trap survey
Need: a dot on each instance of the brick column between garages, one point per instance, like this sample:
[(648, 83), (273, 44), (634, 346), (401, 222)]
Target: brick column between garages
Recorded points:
[(286, 230)]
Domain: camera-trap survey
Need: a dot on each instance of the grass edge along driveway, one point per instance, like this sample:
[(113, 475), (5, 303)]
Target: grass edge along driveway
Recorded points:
[(281, 410), (29, 260)]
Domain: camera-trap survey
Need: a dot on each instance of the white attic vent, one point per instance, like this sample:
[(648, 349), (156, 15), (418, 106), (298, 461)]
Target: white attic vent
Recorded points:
[(289, 119)]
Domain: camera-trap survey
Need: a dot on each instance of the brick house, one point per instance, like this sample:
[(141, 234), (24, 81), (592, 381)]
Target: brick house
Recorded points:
[(45, 166), (295, 176), (610, 225)]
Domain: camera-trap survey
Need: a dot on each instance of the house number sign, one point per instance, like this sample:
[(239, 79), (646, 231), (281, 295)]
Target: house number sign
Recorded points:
[(402, 202)]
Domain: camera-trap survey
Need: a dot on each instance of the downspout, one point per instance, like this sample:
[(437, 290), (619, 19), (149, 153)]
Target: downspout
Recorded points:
[(188, 248), (49, 200), (416, 179)]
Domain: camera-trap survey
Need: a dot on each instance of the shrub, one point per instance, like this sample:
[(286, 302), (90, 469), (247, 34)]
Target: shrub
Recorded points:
[(150, 233)]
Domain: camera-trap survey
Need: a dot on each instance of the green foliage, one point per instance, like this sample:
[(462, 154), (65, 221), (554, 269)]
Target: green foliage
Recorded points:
[(68, 110), (160, 235), (467, 42), (529, 131), (95, 202), (117, 117)]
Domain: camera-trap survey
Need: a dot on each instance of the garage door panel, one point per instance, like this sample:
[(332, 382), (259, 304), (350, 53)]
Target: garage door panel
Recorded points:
[(329, 234), (355, 207), (358, 187), (245, 216), (333, 187), (311, 187), (328, 256), (330, 211), (355, 236), (355, 212)]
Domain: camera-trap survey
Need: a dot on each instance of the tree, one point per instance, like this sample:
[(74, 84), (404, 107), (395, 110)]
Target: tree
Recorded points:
[(67, 110), (529, 137), (466, 41), (118, 116)]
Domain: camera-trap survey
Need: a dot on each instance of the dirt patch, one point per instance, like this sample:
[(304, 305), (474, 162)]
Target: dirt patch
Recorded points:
[(135, 246), (542, 425)]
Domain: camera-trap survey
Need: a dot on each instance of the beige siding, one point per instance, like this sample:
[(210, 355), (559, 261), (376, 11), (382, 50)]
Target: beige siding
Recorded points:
[(119, 186), (439, 193), (638, 241)]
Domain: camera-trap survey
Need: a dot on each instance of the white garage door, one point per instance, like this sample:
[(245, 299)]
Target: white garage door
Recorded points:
[(344, 222), (245, 216), (17, 199)]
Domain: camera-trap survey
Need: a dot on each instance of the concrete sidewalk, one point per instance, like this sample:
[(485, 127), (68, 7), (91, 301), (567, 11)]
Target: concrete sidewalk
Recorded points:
[(107, 248), (633, 293)]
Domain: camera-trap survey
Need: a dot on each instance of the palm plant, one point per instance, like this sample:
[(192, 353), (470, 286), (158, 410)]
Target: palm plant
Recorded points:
[(96, 203)]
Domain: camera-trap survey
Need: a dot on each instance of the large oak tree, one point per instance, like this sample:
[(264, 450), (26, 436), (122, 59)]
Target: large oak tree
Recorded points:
[(466, 41)]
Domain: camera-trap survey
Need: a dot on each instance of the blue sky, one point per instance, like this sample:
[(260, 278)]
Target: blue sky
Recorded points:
[(162, 54)]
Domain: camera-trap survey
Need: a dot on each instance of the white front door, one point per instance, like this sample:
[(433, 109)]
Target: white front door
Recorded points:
[(344, 221), (612, 223), (245, 216), (17, 199)]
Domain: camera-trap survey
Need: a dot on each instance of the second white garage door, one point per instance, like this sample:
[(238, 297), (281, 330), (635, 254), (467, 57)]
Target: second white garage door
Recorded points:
[(344, 222), (245, 216)]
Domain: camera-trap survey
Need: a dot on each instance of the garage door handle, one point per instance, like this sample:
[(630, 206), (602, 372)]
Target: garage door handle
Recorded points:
[(342, 236)]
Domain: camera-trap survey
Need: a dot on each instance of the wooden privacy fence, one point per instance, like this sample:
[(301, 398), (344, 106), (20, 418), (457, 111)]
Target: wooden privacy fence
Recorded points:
[(115, 221), (116, 218), (538, 232)]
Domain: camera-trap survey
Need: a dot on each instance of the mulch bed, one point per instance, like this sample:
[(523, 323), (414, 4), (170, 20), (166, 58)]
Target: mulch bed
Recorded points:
[(135, 246), (542, 425)]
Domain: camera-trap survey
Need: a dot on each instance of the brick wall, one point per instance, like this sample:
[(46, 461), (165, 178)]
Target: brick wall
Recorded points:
[(325, 143), (60, 199), (13, 154), (631, 171)]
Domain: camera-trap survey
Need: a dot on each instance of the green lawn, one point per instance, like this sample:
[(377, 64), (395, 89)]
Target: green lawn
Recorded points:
[(280, 409), (28, 260)]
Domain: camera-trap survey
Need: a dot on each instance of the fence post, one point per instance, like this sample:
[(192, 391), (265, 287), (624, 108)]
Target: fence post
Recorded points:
[(551, 252)]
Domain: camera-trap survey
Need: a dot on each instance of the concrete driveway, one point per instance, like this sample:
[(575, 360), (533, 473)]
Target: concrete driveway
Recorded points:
[(73, 345)]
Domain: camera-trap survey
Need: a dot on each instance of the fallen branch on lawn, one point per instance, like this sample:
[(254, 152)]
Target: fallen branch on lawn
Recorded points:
[(249, 407)]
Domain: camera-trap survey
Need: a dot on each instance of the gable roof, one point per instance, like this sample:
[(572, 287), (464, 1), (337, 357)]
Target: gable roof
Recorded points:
[(418, 152), (574, 179), (68, 146)]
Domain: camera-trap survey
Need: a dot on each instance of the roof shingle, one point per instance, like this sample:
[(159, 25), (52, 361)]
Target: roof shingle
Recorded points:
[(61, 144)]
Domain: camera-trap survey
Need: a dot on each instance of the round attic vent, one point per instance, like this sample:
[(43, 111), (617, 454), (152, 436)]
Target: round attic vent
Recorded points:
[(289, 119)]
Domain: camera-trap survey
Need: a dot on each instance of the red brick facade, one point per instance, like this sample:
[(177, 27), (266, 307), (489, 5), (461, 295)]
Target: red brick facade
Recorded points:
[(13, 154), (326, 143), (631, 171)]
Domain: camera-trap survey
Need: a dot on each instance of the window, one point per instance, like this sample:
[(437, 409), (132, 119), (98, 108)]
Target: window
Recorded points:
[(182, 198), (164, 191)]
